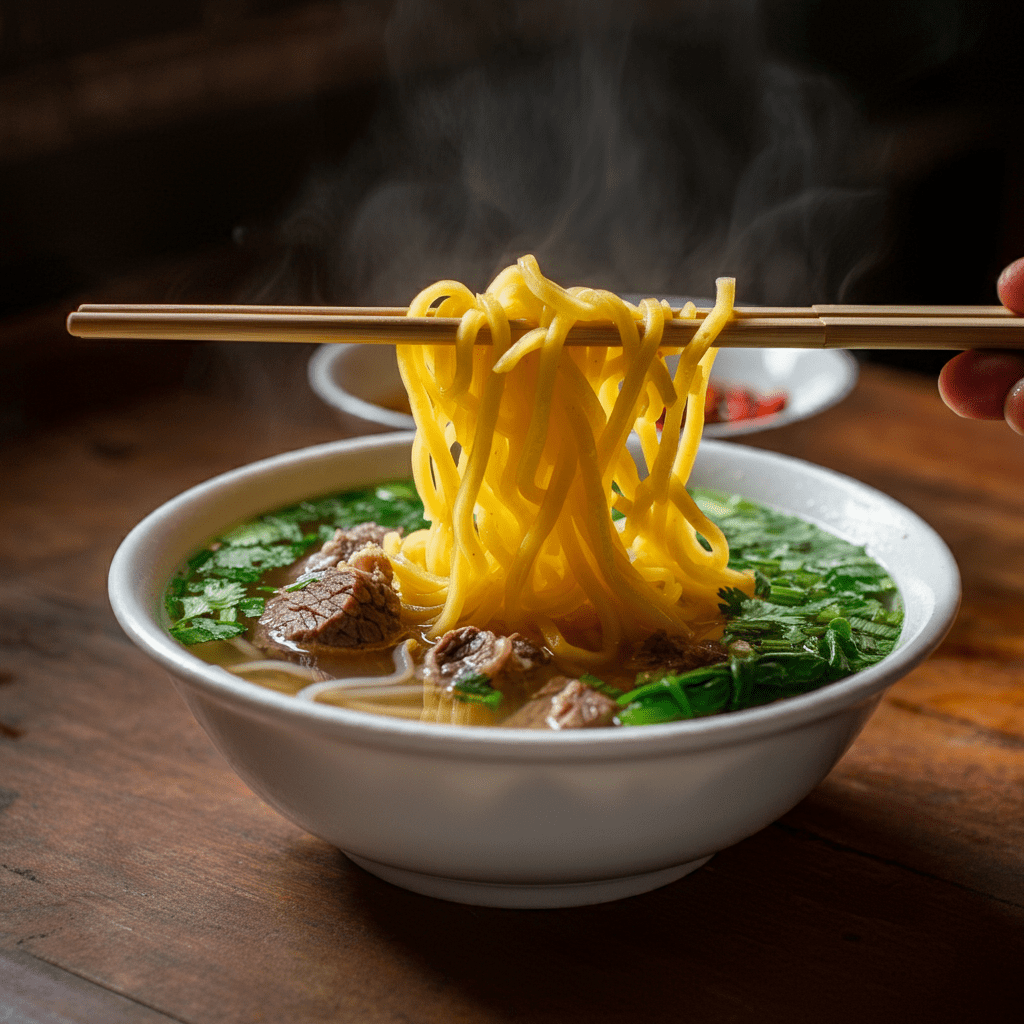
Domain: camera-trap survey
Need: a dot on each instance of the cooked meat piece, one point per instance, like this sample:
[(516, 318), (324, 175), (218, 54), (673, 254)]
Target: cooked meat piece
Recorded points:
[(579, 706), (678, 654), (465, 651), (526, 654), (371, 558), (507, 661), (564, 704), (344, 544), (345, 607)]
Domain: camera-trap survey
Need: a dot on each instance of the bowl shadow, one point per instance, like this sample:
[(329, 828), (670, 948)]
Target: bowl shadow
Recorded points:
[(774, 929)]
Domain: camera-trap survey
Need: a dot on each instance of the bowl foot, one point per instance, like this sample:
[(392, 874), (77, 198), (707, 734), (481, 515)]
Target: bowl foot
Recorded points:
[(526, 896)]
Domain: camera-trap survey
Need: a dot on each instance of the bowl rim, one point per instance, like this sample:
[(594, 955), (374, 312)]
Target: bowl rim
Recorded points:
[(133, 607), (323, 365), (322, 379)]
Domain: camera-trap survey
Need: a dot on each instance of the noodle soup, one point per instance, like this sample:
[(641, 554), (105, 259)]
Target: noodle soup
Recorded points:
[(526, 817), (823, 609), (533, 574)]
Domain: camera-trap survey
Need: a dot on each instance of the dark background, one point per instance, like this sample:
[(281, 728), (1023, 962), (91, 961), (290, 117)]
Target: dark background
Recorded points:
[(236, 149)]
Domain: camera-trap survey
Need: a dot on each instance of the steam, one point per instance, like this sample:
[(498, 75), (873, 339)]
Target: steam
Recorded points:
[(648, 149)]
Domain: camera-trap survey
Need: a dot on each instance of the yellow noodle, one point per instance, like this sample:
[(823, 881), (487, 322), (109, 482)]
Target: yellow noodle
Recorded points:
[(440, 706), (521, 532)]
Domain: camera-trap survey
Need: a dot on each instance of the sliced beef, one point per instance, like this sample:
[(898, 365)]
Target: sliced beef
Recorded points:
[(564, 704), (346, 607), (466, 651), (344, 544), (678, 654), (507, 661)]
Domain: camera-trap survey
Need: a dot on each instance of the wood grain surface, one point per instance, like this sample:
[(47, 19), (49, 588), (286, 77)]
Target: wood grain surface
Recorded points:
[(141, 881)]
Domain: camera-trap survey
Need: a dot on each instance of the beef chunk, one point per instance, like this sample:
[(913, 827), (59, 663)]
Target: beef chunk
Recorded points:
[(678, 654), (347, 607), (507, 661), (526, 655), (564, 704), (466, 651), (344, 544)]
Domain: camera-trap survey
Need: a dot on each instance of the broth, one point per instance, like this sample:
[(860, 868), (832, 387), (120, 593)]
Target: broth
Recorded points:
[(398, 402), (823, 609)]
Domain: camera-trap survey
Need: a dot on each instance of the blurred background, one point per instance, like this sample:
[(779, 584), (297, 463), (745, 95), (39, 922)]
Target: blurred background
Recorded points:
[(354, 150)]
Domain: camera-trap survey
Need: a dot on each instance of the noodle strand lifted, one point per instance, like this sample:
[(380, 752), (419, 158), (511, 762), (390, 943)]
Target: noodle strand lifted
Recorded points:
[(539, 519)]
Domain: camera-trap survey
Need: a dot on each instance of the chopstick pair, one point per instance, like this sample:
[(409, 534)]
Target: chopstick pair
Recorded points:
[(823, 326)]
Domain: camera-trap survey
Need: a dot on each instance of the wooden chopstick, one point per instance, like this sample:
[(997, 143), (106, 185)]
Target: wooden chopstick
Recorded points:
[(171, 309), (740, 311), (824, 326)]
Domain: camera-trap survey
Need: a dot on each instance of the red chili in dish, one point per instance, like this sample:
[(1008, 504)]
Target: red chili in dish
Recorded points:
[(728, 403)]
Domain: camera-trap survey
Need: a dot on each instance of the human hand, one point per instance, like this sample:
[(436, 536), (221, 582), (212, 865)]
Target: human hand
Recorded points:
[(989, 385)]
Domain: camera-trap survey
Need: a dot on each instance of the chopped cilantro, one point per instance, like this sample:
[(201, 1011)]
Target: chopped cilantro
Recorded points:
[(392, 504), (201, 631), (823, 608), (733, 600), (225, 581), (266, 530), (252, 607), (256, 556)]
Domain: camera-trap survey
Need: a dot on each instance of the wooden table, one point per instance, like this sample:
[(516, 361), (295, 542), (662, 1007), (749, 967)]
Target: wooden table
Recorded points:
[(141, 881)]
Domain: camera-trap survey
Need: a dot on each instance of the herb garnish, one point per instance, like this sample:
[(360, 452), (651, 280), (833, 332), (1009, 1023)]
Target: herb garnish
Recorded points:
[(223, 583), (823, 609), (600, 685), (475, 688)]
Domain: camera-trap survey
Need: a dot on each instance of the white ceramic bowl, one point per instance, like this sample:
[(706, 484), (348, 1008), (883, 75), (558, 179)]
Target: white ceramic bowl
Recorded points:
[(812, 379), (359, 382), (511, 818)]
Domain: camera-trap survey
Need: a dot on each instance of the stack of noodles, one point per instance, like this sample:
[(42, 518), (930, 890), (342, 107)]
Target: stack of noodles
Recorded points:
[(522, 535)]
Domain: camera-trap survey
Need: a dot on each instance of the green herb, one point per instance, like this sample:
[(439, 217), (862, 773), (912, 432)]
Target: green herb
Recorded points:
[(822, 609), (300, 584), (600, 685), (201, 630), (252, 607), (394, 504), (733, 600), (670, 696), (265, 530), (256, 556), (225, 581), (476, 688)]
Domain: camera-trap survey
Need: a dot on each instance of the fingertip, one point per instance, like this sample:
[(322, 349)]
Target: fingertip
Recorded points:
[(979, 385), (950, 383), (1010, 286), (1013, 409)]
